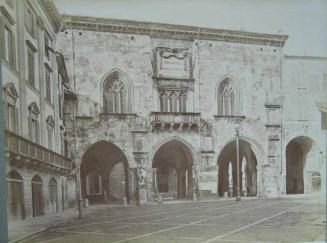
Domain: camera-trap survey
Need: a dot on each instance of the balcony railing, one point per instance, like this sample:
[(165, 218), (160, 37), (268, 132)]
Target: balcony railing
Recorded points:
[(24, 148), (171, 119)]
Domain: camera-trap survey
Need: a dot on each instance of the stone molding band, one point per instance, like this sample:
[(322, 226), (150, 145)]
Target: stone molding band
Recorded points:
[(170, 31)]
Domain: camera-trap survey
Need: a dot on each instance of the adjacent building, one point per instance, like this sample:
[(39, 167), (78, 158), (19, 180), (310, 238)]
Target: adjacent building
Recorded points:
[(160, 110), (38, 173)]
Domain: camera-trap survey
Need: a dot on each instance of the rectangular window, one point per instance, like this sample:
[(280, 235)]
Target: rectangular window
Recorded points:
[(31, 66), (48, 85), (62, 141), (30, 21), (10, 3), (9, 47), (7, 44), (50, 139), (47, 45), (323, 120), (33, 130), (60, 106), (303, 112), (11, 117)]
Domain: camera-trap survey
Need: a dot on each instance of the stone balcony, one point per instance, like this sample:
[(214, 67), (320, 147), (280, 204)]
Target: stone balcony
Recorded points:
[(171, 120), (23, 152)]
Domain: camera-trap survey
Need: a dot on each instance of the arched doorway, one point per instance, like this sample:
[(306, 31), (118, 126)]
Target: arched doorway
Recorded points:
[(104, 173), (227, 170), (302, 159), (15, 196), (174, 177), (37, 196), (53, 196)]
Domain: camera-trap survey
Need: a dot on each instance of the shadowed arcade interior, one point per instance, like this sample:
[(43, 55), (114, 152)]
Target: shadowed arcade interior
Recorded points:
[(104, 174), (174, 175), (227, 172), (302, 166)]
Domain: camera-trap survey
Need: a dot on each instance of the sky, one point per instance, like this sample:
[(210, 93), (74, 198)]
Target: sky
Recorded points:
[(304, 21)]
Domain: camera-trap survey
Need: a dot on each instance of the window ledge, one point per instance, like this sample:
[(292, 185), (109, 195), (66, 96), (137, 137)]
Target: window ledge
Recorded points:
[(118, 115), (228, 117), (32, 87), (10, 67), (48, 102)]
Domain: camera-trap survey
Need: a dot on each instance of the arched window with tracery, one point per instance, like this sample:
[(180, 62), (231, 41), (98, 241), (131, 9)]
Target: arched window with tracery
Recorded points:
[(227, 105), (116, 94)]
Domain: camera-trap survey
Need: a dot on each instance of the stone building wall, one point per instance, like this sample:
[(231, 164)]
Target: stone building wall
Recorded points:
[(94, 48)]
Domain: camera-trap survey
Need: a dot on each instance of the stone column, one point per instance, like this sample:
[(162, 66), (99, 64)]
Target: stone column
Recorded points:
[(179, 184), (218, 181), (254, 181), (141, 182), (155, 182), (195, 183)]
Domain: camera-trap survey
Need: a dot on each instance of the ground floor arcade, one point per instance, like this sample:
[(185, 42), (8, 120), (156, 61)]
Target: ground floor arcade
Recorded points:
[(171, 171)]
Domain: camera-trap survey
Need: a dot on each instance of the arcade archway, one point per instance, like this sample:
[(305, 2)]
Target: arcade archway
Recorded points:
[(104, 174), (173, 163), (227, 170), (302, 166)]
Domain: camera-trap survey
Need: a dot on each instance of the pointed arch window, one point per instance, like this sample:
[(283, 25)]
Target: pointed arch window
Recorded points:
[(10, 109), (33, 124), (116, 94), (226, 98)]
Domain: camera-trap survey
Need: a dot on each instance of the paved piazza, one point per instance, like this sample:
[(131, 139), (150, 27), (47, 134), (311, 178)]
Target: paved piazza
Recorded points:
[(252, 220)]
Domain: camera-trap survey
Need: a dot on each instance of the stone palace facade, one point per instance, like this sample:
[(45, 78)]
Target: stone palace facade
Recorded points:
[(38, 172), (156, 107)]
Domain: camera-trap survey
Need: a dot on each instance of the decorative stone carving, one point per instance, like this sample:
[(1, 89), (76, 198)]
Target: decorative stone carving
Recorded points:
[(174, 84), (173, 63), (141, 172)]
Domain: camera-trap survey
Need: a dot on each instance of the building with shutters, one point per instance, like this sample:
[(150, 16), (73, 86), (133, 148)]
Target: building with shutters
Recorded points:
[(38, 172), (158, 105)]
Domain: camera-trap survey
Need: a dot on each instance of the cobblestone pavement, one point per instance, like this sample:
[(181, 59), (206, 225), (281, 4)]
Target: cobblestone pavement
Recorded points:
[(255, 220)]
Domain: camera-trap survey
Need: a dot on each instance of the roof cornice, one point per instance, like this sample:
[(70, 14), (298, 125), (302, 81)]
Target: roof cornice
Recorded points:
[(50, 8), (313, 58), (170, 30)]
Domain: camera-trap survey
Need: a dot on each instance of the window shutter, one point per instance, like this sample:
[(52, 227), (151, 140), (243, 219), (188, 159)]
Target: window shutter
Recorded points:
[(5, 112), (16, 121), (10, 47), (30, 128), (2, 40), (36, 132), (14, 64)]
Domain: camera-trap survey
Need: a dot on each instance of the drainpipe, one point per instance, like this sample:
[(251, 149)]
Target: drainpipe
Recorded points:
[(3, 193), (281, 126)]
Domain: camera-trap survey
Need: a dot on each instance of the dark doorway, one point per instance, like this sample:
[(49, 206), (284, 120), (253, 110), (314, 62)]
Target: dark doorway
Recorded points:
[(37, 196), (15, 196)]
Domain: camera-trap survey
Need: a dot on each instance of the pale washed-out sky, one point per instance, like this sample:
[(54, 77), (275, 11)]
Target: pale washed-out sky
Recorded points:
[(305, 21)]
